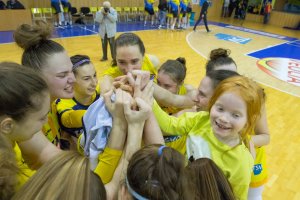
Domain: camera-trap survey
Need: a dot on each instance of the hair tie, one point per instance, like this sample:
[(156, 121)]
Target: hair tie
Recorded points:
[(134, 193), (80, 63), (160, 149)]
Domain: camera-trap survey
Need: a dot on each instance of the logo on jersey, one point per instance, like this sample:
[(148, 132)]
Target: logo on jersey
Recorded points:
[(257, 169), (284, 69)]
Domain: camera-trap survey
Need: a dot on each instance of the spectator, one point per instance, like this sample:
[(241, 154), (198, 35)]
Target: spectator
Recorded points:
[(225, 8), (67, 11), (203, 15), (2, 5), (267, 11), (56, 4), (107, 17), (14, 4), (163, 8)]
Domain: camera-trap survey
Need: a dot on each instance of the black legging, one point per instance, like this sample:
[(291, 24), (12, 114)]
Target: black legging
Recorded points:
[(111, 45), (205, 22)]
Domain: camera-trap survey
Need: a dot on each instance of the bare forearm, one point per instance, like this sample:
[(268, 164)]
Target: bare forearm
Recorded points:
[(166, 98), (117, 135), (152, 132), (134, 139), (261, 140), (106, 84)]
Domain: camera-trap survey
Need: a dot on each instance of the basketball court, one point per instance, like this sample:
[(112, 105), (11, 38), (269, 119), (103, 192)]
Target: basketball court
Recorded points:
[(269, 55)]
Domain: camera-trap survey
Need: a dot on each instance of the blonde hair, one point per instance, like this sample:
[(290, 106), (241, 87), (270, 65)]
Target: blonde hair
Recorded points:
[(250, 92), (8, 169), (67, 176), (209, 181)]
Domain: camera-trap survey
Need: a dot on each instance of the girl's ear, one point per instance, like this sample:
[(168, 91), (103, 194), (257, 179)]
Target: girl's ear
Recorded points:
[(7, 125)]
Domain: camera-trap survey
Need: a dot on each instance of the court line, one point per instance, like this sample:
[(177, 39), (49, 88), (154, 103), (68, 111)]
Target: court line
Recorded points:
[(191, 46), (198, 52), (285, 42), (84, 28)]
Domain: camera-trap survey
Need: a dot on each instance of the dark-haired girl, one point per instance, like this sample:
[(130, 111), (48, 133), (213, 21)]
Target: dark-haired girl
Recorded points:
[(86, 91)]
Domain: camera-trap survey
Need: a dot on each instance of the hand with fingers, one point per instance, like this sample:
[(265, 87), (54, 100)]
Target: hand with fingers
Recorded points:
[(116, 107), (138, 116), (145, 77), (145, 93), (123, 83)]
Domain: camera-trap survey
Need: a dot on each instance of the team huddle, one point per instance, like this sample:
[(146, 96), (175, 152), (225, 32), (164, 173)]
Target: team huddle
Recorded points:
[(136, 132)]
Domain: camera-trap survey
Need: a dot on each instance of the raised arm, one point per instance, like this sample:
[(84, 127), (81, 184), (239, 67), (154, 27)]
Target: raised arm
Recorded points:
[(152, 132), (167, 98), (106, 84), (136, 121), (112, 15), (109, 159)]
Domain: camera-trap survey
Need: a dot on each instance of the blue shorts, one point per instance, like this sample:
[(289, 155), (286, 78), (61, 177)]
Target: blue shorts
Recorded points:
[(56, 6)]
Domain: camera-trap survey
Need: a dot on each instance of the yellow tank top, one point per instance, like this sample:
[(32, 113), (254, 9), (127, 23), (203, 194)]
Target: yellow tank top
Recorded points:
[(25, 171)]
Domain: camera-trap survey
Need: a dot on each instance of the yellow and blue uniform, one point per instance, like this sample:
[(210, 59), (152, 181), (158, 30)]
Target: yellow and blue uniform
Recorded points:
[(52, 129), (70, 113), (147, 65), (174, 6), (235, 162), (149, 6), (260, 173), (25, 171)]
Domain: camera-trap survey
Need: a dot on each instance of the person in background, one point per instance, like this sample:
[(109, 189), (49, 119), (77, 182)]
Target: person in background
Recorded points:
[(225, 8), (149, 9), (2, 5), (14, 4), (232, 6), (203, 15), (183, 14), (174, 10), (67, 12), (267, 11), (163, 8), (59, 16), (107, 18)]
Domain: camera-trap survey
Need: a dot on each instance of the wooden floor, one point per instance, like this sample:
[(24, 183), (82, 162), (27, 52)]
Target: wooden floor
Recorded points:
[(283, 109)]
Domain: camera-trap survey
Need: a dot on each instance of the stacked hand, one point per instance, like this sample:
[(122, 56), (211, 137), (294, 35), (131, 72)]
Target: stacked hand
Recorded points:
[(134, 96)]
